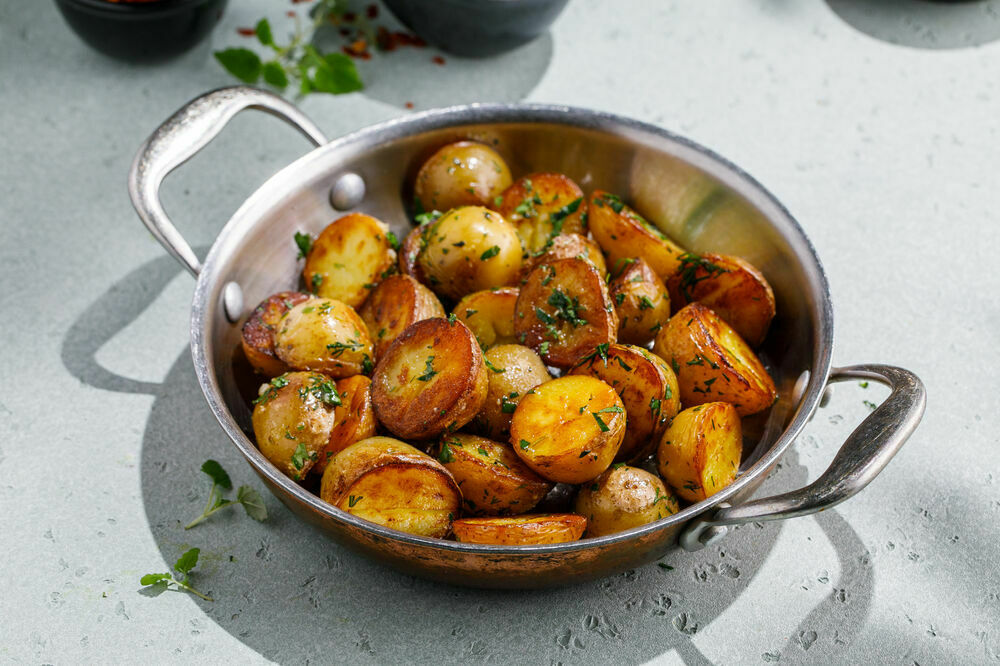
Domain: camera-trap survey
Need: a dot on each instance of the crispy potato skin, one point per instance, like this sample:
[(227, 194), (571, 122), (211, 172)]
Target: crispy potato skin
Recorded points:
[(393, 305), (464, 173), (565, 246), (700, 452), (354, 419), (556, 431), (259, 329), (513, 370), (492, 478), (641, 302), (543, 205), (348, 257), (521, 530), (469, 249), (713, 363), (409, 250), (292, 420), (431, 378), (489, 314), (624, 234), (325, 335), (393, 484), (730, 287), (564, 311), (622, 498), (648, 390)]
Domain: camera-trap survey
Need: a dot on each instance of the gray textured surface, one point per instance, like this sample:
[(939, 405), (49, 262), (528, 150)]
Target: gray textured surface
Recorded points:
[(887, 155)]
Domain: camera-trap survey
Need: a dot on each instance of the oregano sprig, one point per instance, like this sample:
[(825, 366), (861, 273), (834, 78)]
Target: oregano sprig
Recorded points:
[(251, 500)]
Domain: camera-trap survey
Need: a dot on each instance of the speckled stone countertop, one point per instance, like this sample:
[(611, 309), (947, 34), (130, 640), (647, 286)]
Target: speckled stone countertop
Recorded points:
[(887, 154)]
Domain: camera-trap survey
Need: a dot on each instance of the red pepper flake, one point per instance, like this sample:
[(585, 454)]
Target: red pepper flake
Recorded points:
[(438, 60), (409, 105), (358, 49), (372, 11), (350, 17), (246, 32), (295, 2), (291, 14), (345, 32)]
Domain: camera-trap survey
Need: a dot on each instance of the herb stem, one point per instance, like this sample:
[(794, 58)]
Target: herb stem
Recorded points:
[(183, 584)]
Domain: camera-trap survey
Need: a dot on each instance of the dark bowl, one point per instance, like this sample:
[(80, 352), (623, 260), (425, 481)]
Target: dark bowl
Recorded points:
[(477, 28), (143, 32)]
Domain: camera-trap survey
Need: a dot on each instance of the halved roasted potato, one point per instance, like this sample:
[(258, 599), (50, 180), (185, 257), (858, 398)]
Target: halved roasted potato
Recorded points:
[(325, 335), (348, 258), (569, 429), (259, 330), (513, 371), (624, 234), (713, 363), (564, 311), (641, 302), (624, 497), (648, 390), (469, 249), (394, 304), (492, 478), (700, 452), (432, 378), (464, 173), (292, 420), (541, 206), (565, 246), (489, 314), (390, 483), (521, 530), (354, 418), (731, 287), (409, 250)]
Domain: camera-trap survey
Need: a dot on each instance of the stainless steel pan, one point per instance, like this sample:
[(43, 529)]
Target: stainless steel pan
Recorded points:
[(699, 198)]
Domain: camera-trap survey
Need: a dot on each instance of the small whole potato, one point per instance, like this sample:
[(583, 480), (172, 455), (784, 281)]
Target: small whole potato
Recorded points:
[(541, 206), (354, 418), (325, 335), (622, 498), (349, 257), (521, 530), (464, 173), (259, 330), (394, 304), (700, 452), (641, 301), (513, 370), (489, 314), (565, 246)]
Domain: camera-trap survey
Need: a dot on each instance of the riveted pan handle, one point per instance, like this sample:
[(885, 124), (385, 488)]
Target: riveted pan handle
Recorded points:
[(863, 455), (180, 138)]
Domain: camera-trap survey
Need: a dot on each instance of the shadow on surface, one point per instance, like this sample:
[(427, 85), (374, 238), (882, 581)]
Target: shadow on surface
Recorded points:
[(945, 24)]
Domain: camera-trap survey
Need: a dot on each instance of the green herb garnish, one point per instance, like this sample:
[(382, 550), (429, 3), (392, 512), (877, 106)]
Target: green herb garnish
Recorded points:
[(251, 500), (160, 582)]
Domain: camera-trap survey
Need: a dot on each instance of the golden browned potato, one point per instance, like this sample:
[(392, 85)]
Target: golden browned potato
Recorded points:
[(648, 390), (464, 173), (541, 206), (469, 249), (622, 498), (569, 429), (713, 363), (641, 301), (409, 250), (325, 335), (259, 329), (700, 452), (565, 246), (393, 484), (354, 418), (349, 258), (292, 420), (624, 234), (730, 287), (521, 530), (564, 311), (513, 371), (394, 304), (489, 314), (432, 378), (492, 478)]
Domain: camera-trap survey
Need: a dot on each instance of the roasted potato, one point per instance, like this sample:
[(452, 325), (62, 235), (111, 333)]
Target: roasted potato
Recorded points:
[(700, 452), (492, 478), (648, 390), (393, 484), (394, 304), (564, 311), (354, 418), (622, 498), (292, 420), (432, 378), (713, 363), (565, 246), (348, 258), (469, 249), (569, 429), (513, 371), (521, 530), (409, 250), (464, 173), (489, 314), (624, 234), (541, 206), (259, 329), (730, 287), (325, 335), (641, 302)]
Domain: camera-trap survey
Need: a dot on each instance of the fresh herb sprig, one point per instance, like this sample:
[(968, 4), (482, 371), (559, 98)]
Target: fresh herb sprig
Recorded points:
[(251, 500), (159, 582)]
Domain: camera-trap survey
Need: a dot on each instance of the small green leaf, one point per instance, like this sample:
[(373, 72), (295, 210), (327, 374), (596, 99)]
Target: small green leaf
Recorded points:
[(304, 243), (244, 64), (252, 502), (263, 31), (219, 476), (275, 74), (153, 578), (221, 502), (187, 561), (333, 73)]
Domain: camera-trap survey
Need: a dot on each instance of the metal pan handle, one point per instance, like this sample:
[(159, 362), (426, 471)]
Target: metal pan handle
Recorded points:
[(863, 455), (180, 138)]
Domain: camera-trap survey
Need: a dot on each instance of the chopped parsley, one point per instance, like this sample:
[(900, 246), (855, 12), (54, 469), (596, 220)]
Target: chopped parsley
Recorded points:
[(429, 370), (304, 243), (490, 253)]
